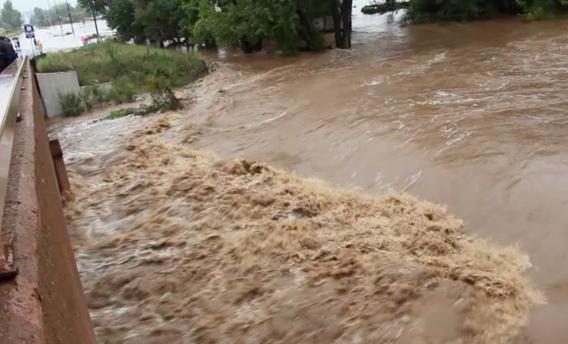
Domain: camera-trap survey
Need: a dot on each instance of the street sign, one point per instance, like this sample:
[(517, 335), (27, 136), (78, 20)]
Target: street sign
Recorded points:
[(29, 30)]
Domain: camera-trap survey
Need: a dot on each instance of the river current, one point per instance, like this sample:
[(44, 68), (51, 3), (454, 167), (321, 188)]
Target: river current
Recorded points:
[(472, 115)]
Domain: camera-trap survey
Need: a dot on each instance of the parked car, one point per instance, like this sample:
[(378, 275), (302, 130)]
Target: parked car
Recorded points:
[(7, 53)]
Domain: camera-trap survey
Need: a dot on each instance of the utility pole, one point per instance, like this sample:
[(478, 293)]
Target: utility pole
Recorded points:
[(50, 14), (95, 20), (58, 17), (70, 19)]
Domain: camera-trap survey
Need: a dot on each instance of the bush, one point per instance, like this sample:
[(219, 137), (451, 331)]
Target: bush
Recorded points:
[(162, 100), (71, 104), (122, 91), (57, 62), (439, 10), (121, 113), (92, 96), (541, 9), (388, 6)]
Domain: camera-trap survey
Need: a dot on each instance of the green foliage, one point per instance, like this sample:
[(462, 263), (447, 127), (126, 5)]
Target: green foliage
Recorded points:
[(71, 104), (247, 23), (96, 5), (54, 62), (244, 23), (541, 9), (92, 96), (104, 62), (118, 113), (10, 18), (161, 19), (122, 91), (40, 17), (58, 14), (387, 6), (120, 17), (440, 10), (162, 101)]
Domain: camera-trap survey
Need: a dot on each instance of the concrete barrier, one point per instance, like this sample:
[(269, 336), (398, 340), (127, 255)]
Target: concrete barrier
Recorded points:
[(44, 303), (51, 85)]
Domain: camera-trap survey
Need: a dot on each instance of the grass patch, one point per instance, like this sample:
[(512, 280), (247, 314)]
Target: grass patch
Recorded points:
[(132, 69), (106, 61)]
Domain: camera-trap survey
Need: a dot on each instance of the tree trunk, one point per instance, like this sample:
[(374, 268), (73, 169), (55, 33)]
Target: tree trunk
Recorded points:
[(346, 14), (248, 46), (341, 14), (334, 8)]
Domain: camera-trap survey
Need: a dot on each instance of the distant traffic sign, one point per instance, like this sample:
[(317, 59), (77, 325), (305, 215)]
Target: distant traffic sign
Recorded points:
[(29, 30)]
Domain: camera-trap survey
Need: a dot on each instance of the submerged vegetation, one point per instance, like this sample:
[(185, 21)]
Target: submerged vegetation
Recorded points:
[(290, 25), (387, 6), (452, 10)]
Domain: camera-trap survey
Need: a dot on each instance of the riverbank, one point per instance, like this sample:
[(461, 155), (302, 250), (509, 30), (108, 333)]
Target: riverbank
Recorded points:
[(176, 245), (118, 72)]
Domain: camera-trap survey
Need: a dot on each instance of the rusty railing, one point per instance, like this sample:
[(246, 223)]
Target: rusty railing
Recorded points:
[(10, 87)]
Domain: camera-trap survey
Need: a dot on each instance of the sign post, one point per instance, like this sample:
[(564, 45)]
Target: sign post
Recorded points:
[(29, 31), (30, 34)]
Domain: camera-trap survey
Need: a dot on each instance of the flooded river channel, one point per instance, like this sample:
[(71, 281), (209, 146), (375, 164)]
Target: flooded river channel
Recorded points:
[(473, 116)]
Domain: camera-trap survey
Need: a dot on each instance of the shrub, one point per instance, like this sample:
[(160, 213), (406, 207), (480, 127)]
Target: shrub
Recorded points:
[(99, 94), (122, 91), (436, 10), (92, 96), (71, 104), (121, 113), (57, 62), (163, 99)]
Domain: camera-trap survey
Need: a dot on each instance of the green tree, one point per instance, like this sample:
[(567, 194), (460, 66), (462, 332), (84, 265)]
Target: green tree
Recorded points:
[(244, 23), (439, 10), (248, 23), (40, 17), (538, 9), (10, 18), (99, 6), (120, 17), (160, 19)]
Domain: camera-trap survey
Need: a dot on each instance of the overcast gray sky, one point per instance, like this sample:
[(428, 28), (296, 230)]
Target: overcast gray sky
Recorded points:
[(28, 5)]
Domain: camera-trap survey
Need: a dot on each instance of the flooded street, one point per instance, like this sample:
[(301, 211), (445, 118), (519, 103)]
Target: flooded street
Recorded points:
[(473, 116), (63, 37)]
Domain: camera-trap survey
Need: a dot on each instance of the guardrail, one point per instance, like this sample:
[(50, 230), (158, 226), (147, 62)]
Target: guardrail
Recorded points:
[(10, 87)]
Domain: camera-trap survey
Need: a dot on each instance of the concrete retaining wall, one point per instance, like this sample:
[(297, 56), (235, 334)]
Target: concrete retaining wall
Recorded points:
[(51, 85), (44, 304)]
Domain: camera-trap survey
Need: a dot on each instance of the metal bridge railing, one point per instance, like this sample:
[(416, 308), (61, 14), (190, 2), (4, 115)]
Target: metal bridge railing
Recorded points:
[(10, 87)]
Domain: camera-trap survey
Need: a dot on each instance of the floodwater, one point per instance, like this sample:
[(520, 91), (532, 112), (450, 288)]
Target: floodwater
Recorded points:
[(471, 115), (63, 37)]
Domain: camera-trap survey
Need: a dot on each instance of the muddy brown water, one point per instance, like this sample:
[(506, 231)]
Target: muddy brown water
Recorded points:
[(472, 115)]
